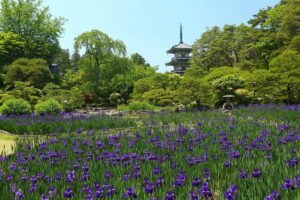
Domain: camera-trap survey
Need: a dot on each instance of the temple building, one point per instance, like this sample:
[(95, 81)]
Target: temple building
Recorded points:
[(181, 57)]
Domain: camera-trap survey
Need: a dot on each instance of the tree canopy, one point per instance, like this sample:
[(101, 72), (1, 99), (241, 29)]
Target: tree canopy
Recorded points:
[(35, 26)]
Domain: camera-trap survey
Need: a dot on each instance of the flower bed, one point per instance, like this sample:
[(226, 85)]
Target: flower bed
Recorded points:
[(246, 156)]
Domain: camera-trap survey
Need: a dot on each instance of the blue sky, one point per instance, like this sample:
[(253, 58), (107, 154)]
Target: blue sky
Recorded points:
[(151, 27)]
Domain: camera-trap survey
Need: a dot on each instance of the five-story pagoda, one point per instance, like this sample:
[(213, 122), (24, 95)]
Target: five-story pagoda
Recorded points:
[(181, 57)]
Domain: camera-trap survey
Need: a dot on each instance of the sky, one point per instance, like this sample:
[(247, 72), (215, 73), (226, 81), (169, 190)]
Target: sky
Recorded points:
[(150, 27)]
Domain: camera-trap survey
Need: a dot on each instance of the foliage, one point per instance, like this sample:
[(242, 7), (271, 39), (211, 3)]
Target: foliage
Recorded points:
[(98, 49), (49, 106), (34, 24), (11, 47), (227, 84), (287, 69), (196, 93), (133, 106), (115, 98), (34, 71), (208, 152), (62, 59), (69, 99), (25, 91), (15, 107), (139, 60), (63, 123), (291, 19), (258, 62)]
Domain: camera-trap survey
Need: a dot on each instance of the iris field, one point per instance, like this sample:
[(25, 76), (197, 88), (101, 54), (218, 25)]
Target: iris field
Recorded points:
[(251, 153)]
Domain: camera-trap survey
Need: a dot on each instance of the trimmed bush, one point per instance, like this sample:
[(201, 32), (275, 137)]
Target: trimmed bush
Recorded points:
[(138, 106), (15, 107), (50, 106)]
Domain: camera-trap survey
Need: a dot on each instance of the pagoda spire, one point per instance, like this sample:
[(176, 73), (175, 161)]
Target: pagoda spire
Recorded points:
[(181, 33)]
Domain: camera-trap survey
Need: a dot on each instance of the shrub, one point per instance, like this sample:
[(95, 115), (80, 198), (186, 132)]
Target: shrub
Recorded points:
[(69, 99), (4, 97), (114, 98), (50, 106), (138, 106), (15, 107)]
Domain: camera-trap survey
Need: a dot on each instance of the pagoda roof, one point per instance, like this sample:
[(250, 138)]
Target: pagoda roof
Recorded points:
[(179, 47)]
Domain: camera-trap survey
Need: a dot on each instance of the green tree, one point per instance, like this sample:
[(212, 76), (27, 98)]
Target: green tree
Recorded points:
[(75, 58), (197, 92), (262, 86), (62, 59), (34, 24), (25, 91), (138, 60), (11, 47), (291, 18), (195, 72), (287, 67), (98, 48), (34, 71), (260, 18), (201, 50)]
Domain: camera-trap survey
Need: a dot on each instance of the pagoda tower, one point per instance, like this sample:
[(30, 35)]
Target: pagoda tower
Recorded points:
[(181, 57)]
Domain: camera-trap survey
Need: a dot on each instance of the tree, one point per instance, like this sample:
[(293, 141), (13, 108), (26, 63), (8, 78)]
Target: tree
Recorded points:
[(34, 24), (34, 71), (25, 91), (291, 18), (201, 50), (218, 47), (75, 58), (11, 47), (263, 86), (287, 67), (195, 72), (227, 84), (139, 60), (260, 18), (62, 59), (196, 91), (98, 48)]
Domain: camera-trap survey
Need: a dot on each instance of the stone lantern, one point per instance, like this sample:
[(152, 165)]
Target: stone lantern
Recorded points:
[(228, 105)]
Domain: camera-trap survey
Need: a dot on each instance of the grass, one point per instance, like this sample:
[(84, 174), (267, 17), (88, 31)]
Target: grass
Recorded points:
[(65, 123)]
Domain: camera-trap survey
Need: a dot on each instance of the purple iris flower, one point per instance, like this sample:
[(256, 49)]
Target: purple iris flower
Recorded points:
[(243, 174), (68, 193), (129, 193), (256, 173), (227, 163), (160, 181), (71, 176), (44, 197), (110, 191), (288, 184), (19, 195), (196, 182), (193, 195), (229, 193), (235, 154), (292, 162), (99, 192), (273, 196), (156, 170), (170, 196), (149, 188), (205, 191), (297, 180)]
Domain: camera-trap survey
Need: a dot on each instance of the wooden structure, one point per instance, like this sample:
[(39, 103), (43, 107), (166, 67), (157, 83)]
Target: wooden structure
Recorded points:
[(181, 57)]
